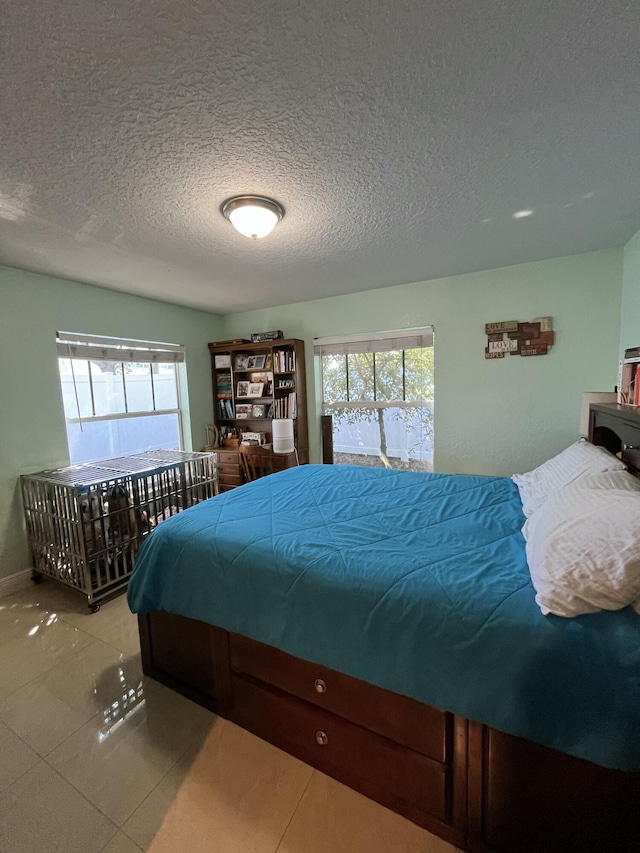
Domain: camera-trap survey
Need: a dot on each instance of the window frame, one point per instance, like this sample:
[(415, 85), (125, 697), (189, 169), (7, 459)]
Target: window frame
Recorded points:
[(88, 348), (375, 343)]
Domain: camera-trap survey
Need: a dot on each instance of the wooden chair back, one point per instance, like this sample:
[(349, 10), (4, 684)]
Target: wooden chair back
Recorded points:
[(256, 461)]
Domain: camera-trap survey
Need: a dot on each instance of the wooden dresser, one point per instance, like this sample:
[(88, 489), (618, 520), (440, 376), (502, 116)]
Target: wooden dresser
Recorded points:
[(229, 470)]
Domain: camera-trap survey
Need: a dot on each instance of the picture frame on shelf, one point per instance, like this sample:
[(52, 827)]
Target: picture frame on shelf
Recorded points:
[(267, 363), (241, 361), (243, 411), (256, 362), (222, 360), (265, 378), (258, 410), (243, 389), (255, 389)]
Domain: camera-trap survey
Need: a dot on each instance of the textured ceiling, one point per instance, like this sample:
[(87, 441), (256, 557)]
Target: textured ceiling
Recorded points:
[(401, 137)]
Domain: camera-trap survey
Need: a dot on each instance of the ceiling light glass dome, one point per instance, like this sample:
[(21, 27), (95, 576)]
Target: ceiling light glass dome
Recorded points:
[(253, 215)]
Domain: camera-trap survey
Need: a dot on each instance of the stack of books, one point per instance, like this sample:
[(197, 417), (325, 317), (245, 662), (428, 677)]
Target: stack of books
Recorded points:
[(629, 378)]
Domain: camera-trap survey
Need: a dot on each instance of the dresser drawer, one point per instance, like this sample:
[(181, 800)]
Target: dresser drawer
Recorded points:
[(420, 727), (411, 784), (228, 457), (228, 468), (231, 479)]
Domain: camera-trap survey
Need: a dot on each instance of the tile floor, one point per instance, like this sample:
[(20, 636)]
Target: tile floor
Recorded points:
[(96, 757)]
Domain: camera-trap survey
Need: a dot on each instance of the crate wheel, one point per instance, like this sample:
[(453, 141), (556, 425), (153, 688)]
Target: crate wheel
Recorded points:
[(94, 608)]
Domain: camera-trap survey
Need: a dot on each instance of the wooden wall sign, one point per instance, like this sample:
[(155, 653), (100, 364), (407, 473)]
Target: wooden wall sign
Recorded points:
[(526, 331), (504, 326), (516, 338), (538, 349), (544, 338), (503, 346)]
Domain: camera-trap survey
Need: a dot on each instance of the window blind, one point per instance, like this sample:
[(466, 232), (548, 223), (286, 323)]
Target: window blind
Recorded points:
[(403, 339), (71, 345)]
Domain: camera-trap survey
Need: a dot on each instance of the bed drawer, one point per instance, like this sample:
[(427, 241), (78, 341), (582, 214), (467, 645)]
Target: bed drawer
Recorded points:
[(393, 775), (420, 727)]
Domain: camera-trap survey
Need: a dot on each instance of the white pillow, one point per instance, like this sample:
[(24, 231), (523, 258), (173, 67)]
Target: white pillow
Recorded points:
[(577, 460), (621, 480), (583, 547)]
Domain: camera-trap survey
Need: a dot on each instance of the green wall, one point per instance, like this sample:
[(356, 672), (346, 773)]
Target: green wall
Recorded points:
[(32, 428), (630, 311), (491, 417)]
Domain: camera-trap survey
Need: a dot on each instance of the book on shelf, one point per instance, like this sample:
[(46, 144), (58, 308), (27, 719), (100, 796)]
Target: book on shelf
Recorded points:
[(629, 382), (286, 407), (224, 385), (285, 361), (225, 407)]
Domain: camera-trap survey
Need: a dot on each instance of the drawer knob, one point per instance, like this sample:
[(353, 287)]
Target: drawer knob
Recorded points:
[(321, 738), (320, 686)]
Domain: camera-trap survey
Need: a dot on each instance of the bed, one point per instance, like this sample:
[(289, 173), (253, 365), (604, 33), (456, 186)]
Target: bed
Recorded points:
[(384, 630)]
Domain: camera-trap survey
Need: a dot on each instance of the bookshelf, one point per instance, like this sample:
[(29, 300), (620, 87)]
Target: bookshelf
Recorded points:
[(253, 383)]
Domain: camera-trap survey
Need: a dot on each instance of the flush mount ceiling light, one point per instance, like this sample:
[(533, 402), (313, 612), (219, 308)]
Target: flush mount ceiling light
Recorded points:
[(253, 215)]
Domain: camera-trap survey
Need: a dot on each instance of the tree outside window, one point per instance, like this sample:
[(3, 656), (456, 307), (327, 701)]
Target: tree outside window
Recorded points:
[(382, 406)]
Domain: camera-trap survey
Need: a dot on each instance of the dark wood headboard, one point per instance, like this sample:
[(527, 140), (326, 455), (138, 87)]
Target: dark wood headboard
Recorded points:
[(617, 428)]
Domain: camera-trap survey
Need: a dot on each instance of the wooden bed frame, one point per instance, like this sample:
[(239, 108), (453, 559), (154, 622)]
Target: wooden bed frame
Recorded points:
[(478, 788)]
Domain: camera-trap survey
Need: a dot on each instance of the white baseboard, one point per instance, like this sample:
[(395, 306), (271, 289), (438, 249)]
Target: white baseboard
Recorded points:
[(15, 583)]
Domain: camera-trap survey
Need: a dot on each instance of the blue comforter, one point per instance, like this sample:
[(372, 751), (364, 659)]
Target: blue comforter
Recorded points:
[(415, 582)]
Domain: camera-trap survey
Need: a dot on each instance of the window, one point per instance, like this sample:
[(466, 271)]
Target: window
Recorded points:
[(378, 388), (120, 397)]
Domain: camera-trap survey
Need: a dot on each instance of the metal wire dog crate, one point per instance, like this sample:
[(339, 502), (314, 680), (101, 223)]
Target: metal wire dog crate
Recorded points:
[(86, 522)]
